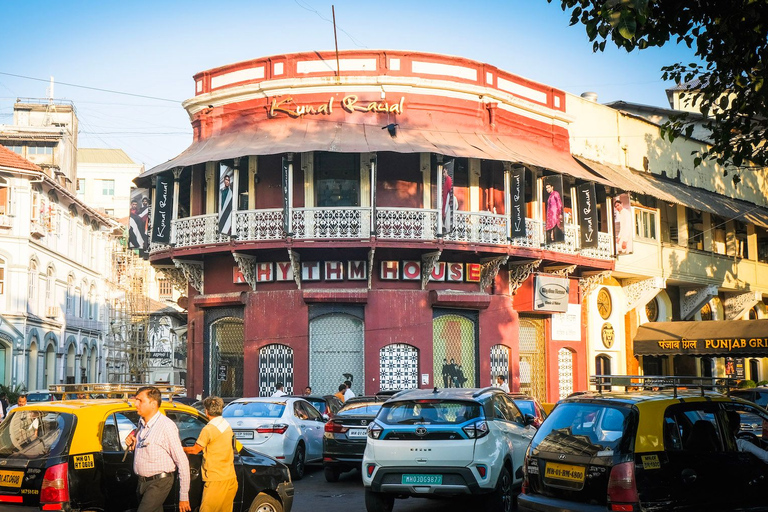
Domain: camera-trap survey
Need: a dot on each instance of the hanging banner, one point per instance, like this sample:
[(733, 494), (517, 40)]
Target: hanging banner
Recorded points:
[(138, 220), (449, 201), (623, 224), (286, 197), (226, 174), (162, 209), (587, 202), (517, 213), (553, 208)]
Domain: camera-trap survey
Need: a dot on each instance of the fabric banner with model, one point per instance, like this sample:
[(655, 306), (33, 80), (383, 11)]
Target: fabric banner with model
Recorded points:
[(517, 212), (162, 209), (587, 216), (226, 176), (138, 220), (553, 208), (623, 225), (449, 206)]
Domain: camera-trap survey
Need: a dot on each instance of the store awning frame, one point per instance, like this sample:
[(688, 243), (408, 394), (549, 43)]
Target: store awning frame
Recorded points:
[(715, 338)]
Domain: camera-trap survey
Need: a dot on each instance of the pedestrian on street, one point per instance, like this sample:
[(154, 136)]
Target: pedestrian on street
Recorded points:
[(340, 394), (279, 390), (218, 471), (157, 454), (501, 382), (20, 402), (4, 403), (348, 393), (307, 391)]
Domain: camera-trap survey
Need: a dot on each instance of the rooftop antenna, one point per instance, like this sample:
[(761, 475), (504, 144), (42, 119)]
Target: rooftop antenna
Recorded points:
[(336, 41), (49, 91)]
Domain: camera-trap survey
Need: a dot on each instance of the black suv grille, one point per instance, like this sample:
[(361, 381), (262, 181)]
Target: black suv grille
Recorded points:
[(430, 436)]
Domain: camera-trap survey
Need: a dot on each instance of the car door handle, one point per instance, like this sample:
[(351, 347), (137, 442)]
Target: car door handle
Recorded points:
[(122, 475)]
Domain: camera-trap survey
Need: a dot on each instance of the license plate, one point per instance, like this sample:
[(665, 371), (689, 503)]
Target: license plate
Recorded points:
[(564, 472), (422, 479), (243, 434), (11, 478), (357, 432)]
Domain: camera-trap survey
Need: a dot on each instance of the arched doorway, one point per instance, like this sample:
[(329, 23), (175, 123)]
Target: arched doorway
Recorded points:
[(500, 355), (226, 357), (50, 365), (32, 365), (532, 358), (564, 372), (336, 352), (454, 350), (275, 365), (93, 376), (84, 365), (71, 364), (603, 367)]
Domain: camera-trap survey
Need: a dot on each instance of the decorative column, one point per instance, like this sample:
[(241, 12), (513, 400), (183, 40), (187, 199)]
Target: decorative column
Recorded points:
[(175, 212)]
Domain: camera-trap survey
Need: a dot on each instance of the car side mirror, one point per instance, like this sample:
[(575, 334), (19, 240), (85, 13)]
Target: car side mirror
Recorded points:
[(529, 419)]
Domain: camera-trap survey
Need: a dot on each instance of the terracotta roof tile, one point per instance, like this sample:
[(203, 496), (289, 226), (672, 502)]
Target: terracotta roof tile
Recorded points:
[(10, 159)]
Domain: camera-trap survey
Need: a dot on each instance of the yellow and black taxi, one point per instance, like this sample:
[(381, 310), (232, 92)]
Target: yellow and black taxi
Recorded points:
[(671, 443), (71, 455)]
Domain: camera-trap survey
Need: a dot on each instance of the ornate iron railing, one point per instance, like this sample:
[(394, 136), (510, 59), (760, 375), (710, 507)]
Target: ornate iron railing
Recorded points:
[(335, 223), (256, 225), (478, 227), (199, 230), (406, 223)]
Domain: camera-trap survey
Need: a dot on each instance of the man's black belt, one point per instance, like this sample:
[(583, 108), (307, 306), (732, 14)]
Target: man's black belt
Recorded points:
[(154, 477)]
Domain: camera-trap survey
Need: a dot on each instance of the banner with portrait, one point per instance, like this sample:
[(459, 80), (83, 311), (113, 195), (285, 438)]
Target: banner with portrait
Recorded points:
[(162, 209), (623, 224), (517, 212), (226, 179), (138, 220), (553, 208), (587, 214), (449, 201)]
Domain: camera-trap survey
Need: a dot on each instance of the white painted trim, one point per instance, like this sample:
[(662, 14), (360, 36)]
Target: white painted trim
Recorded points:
[(436, 68), (242, 75), (522, 90), (323, 66)]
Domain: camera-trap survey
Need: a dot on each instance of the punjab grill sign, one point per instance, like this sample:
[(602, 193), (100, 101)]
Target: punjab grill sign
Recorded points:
[(713, 346), (350, 103)]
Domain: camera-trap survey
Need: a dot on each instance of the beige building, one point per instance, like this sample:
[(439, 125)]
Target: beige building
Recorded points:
[(105, 178)]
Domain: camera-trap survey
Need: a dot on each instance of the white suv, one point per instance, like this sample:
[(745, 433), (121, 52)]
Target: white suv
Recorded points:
[(457, 441)]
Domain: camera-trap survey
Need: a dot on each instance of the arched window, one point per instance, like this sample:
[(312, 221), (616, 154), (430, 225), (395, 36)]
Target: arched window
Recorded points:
[(32, 292), (603, 367), (5, 197), (2, 276), (83, 311), (70, 305), (91, 302), (565, 372), (50, 287), (398, 366)]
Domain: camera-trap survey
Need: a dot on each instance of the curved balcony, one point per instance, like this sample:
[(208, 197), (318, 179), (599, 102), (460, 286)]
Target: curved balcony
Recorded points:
[(413, 224)]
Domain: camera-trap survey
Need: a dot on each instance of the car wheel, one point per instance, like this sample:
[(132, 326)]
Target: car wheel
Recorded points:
[(378, 501), (298, 466), (265, 503), (502, 498), (331, 475)]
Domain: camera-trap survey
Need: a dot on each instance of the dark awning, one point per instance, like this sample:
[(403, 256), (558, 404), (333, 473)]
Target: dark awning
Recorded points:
[(737, 338), (674, 192), (277, 138)]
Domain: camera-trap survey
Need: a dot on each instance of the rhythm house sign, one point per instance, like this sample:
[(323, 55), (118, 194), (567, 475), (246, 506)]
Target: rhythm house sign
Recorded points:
[(267, 272)]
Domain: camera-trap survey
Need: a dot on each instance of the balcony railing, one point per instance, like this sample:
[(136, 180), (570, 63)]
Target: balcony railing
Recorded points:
[(391, 224)]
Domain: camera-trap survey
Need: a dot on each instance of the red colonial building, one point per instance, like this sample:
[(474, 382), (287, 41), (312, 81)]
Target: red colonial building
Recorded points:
[(380, 217)]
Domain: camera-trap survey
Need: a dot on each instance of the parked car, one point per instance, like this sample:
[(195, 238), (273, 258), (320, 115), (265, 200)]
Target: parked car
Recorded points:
[(42, 395), (71, 455), (287, 428), (346, 435), (446, 442), (198, 404), (529, 405), (758, 395), (670, 449), (327, 405)]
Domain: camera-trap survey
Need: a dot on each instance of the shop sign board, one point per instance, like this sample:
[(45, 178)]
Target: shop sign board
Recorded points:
[(551, 293), (567, 326)]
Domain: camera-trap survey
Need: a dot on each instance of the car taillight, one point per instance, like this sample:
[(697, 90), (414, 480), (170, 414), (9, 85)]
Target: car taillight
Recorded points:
[(622, 488), (374, 430), (277, 428), (335, 428), (476, 430), (55, 486)]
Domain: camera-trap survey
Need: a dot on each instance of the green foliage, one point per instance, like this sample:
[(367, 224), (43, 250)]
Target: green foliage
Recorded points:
[(12, 392), (747, 383), (730, 38), (763, 383)]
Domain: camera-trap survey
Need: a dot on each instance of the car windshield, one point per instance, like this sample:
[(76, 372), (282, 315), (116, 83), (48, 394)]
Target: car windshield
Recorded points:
[(583, 429), (525, 406), (360, 408), (254, 410), (40, 397), (31, 434), (445, 412)]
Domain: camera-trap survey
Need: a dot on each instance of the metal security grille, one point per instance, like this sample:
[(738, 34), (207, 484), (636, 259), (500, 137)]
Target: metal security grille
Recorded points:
[(275, 365), (454, 349), (532, 358), (565, 372), (500, 362), (398, 367), (336, 343), (226, 357)]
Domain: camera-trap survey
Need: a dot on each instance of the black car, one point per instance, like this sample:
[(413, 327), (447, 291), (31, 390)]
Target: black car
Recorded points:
[(528, 405), (346, 434), (758, 395), (327, 405)]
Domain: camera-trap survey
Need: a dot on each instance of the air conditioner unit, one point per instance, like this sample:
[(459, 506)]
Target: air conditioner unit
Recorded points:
[(52, 311)]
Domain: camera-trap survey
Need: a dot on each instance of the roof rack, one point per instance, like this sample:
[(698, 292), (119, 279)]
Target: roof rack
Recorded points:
[(673, 382), (112, 390)]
